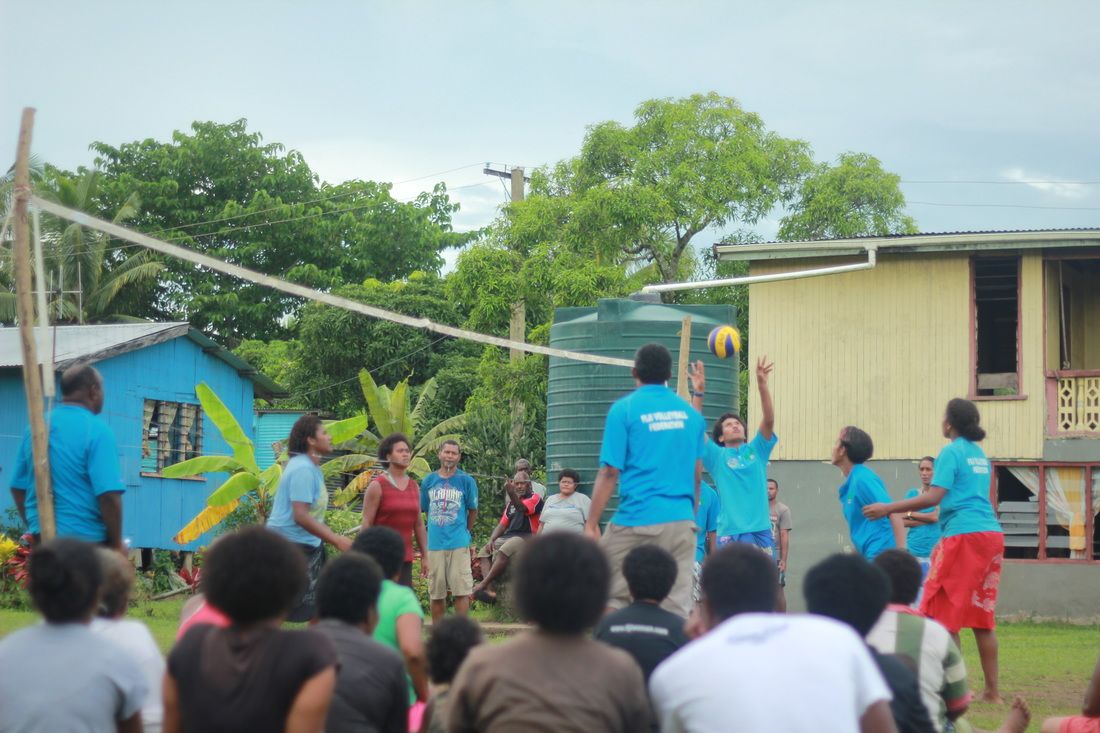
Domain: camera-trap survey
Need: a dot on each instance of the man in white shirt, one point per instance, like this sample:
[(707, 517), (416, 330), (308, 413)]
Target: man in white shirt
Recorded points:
[(756, 670)]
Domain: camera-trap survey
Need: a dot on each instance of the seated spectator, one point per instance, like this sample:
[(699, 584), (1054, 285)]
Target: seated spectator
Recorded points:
[(1089, 719), (643, 629), (197, 611), (400, 617), (567, 510), (756, 670), (941, 672), (855, 592), (371, 694), (252, 675), (59, 675), (552, 678), (129, 634), (519, 521), (452, 639)]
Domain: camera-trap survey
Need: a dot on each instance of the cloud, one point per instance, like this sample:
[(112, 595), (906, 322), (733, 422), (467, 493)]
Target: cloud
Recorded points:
[(1047, 184)]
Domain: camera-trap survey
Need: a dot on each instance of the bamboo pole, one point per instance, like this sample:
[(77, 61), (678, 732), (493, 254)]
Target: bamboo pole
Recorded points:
[(32, 375), (682, 380)]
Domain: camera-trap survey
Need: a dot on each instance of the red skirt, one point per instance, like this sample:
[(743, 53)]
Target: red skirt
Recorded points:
[(961, 590)]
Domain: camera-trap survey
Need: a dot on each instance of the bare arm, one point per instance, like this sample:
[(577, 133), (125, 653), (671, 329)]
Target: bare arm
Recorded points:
[(19, 496), (712, 542), (420, 532), (495, 535), (132, 724), (877, 719), (932, 497), (410, 640), (173, 722), (697, 374), (784, 547), (925, 517), (1092, 695), (307, 713), (606, 481), (471, 519), (372, 499), (110, 507), (898, 526), (305, 520), (767, 422), (698, 483)]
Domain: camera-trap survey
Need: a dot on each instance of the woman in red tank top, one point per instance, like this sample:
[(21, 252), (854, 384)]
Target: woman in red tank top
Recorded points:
[(392, 500)]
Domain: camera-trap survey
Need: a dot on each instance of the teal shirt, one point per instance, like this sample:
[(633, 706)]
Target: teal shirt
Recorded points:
[(741, 478), (863, 487), (963, 471), (921, 539)]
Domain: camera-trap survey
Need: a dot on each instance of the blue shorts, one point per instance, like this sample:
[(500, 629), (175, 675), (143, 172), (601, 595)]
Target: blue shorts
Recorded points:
[(762, 539)]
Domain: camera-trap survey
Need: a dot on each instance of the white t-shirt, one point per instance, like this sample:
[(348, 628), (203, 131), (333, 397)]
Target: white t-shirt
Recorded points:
[(565, 513), (763, 672), (134, 638)]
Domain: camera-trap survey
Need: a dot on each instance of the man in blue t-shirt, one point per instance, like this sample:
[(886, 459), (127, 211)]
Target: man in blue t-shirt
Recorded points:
[(87, 483), (449, 498), (861, 487), (652, 450), (739, 466), (706, 526)]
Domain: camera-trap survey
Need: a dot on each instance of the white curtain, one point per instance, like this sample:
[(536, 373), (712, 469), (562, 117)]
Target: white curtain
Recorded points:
[(1069, 514)]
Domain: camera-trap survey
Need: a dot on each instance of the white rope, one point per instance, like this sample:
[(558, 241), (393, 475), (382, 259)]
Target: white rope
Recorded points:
[(300, 291)]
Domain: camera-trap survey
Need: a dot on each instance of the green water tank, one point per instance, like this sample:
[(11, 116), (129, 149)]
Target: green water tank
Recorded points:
[(579, 394)]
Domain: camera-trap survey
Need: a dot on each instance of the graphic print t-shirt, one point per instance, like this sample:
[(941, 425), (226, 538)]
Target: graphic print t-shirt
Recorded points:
[(446, 501)]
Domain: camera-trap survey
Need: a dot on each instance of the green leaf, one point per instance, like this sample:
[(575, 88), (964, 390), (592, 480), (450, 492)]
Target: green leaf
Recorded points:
[(399, 405), (352, 463), (202, 464), (341, 431), (233, 489), (434, 438), (230, 429), (206, 520), (427, 392), (374, 401), (269, 479), (419, 467)]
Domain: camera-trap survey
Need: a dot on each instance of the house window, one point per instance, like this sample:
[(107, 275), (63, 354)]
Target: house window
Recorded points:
[(996, 316), (172, 432), (1049, 510)]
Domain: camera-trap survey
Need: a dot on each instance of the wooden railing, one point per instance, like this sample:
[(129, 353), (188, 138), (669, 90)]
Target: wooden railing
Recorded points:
[(1074, 401)]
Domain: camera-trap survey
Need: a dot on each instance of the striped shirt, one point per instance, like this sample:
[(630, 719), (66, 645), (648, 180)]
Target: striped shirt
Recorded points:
[(940, 666)]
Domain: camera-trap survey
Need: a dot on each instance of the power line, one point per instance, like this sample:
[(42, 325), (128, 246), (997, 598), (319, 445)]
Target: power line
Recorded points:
[(1024, 182), (1004, 206)]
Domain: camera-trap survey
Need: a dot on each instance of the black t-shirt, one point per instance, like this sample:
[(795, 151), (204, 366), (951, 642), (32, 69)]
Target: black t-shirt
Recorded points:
[(519, 521), (236, 680), (910, 714), (645, 631), (371, 692)]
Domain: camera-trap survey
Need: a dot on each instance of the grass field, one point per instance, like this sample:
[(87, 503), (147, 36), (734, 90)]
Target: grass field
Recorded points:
[(1048, 664)]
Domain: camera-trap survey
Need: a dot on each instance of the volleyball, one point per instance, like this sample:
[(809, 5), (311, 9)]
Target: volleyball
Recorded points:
[(724, 341)]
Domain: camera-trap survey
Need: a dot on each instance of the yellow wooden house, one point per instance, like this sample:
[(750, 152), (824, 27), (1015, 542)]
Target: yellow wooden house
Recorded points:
[(1010, 320)]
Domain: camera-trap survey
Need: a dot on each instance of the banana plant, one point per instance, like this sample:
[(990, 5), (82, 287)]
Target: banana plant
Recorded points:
[(390, 412), (245, 475)]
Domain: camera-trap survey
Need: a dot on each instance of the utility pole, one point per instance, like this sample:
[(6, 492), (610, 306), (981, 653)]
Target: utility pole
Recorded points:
[(517, 322), (32, 375)]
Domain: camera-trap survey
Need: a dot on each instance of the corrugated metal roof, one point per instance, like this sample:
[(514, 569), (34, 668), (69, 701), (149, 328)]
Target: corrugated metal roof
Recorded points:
[(103, 341), (920, 234)]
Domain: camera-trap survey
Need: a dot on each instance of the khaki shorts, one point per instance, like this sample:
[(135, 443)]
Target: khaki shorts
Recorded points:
[(449, 570), (676, 537), (507, 546)]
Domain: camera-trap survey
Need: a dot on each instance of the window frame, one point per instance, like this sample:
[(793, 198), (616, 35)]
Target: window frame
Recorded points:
[(1091, 469), (196, 450), (973, 380)]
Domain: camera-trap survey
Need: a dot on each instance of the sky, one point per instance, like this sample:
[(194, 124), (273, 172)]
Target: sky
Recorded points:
[(989, 111)]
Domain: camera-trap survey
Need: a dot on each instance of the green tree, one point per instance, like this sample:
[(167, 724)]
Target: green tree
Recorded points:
[(853, 198)]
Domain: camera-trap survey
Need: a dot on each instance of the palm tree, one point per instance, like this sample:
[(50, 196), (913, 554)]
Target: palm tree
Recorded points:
[(84, 273)]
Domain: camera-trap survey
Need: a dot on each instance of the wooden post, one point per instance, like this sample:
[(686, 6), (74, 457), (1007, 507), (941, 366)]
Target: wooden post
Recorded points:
[(517, 331), (32, 375), (682, 378)]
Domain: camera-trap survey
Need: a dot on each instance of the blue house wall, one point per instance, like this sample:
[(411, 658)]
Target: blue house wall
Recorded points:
[(154, 509)]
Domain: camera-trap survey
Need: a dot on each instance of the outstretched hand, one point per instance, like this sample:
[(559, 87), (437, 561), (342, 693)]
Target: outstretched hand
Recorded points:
[(697, 373), (763, 370), (875, 511)]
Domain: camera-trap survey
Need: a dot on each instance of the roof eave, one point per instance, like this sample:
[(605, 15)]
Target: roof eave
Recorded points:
[(263, 386)]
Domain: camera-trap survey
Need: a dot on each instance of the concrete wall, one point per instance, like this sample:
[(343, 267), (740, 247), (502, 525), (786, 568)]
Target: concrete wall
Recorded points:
[(809, 488)]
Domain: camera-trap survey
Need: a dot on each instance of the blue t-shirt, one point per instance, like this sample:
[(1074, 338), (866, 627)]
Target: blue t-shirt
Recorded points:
[(446, 501), (922, 538), (963, 470), (864, 487), (706, 519), (83, 466), (302, 481), (654, 438), (741, 476)]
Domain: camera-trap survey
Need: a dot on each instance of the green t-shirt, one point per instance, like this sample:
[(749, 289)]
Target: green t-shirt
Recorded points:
[(394, 601)]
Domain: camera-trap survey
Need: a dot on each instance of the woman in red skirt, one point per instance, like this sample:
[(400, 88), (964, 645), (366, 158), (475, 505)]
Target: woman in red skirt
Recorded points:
[(392, 500), (961, 590)]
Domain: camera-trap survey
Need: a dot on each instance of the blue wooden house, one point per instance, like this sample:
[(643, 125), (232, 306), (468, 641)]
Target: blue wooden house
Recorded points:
[(149, 372)]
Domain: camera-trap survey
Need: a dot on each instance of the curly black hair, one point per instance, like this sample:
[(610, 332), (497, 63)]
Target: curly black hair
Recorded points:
[(304, 429), (849, 589), (64, 579), (253, 575), (653, 364), (857, 443), (562, 582), (387, 444), (963, 415), (385, 546), (348, 588), (451, 640), (650, 572), (716, 431), (739, 578), (570, 473), (904, 573)]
